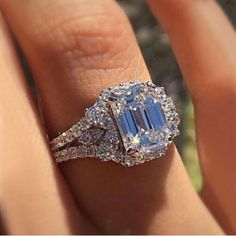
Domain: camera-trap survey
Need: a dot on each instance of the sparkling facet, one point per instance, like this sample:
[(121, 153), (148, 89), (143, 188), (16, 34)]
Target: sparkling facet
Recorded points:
[(139, 121), (155, 114)]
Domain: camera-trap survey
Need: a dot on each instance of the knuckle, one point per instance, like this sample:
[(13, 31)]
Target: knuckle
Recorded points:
[(89, 36)]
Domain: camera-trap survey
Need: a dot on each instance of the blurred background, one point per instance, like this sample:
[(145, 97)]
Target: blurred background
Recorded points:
[(164, 70)]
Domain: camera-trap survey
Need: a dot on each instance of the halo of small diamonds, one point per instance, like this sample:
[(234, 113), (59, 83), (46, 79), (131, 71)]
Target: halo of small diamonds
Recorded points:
[(129, 124)]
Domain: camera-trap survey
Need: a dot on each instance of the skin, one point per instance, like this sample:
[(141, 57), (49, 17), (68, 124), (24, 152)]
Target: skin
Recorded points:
[(74, 51)]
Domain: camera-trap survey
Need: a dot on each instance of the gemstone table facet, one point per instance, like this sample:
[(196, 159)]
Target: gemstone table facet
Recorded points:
[(139, 120)]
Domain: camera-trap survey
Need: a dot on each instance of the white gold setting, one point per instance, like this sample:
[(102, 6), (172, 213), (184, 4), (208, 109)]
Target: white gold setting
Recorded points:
[(130, 124)]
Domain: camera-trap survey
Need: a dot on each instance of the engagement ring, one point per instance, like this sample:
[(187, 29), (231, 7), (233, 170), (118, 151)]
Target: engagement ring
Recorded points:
[(130, 123)]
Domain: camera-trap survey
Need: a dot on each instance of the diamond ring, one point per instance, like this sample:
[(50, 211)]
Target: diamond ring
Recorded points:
[(130, 123)]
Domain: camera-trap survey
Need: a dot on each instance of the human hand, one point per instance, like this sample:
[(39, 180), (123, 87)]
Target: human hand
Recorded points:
[(74, 50)]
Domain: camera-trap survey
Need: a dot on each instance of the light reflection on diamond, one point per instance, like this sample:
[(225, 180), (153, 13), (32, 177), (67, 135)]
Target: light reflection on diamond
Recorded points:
[(138, 119)]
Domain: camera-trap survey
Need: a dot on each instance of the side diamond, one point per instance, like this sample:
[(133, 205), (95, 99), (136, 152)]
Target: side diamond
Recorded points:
[(58, 142), (76, 130), (68, 136), (85, 123), (72, 153), (90, 136)]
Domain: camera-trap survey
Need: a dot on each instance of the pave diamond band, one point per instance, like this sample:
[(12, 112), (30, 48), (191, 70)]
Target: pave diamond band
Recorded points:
[(129, 124)]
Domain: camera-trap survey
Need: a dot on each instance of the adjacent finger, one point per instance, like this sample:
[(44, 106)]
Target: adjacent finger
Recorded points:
[(33, 196), (76, 49), (205, 46)]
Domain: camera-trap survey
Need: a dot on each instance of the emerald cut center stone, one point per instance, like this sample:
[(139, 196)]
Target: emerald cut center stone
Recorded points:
[(139, 118)]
